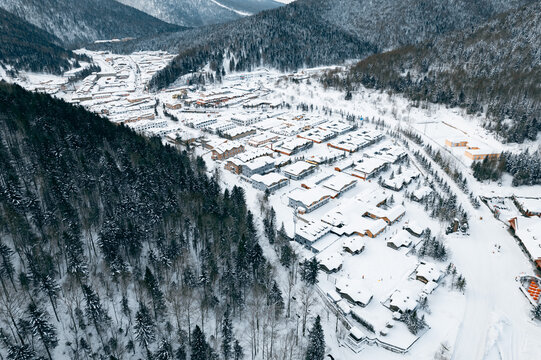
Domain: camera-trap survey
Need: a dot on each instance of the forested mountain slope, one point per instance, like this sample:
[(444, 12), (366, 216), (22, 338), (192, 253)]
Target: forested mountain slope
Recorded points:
[(201, 12), (77, 22), (495, 67), (26, 47), (113, 245), (317, 32)]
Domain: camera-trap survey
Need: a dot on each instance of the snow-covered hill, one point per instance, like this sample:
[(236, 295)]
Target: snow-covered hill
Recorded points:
[(201, 12), (77, 22)]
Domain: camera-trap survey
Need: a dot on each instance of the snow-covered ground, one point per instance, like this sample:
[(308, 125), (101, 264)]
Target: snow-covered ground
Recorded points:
[(490, 321)]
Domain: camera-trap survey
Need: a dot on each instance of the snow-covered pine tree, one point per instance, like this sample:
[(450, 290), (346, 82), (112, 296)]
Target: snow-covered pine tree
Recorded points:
[(238, 352), (227, 334), (316, 342), (200, 349), (144, 326), (41, 328), (536, 312)]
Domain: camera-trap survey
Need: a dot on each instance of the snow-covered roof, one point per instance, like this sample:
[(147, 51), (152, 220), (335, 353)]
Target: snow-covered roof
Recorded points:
[(310, 196), (332, 261), (339, 181), (344, 306), (429, 287), (355, 291), (530, 204), (259, 162), (404, 300), (269, 179), (298, 168), (313, 231), (422, 192), (356, 333), (414, 227), (401, 239), (354, 243), (369, 165), (429, 271), (374, 226), (227, 146), (237, 130), (391, 214), (294, 143), (334, 296), (529, 232)]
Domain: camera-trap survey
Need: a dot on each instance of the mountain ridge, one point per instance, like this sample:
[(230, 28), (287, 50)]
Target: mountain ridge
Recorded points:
[(494, 68), (83, 21)]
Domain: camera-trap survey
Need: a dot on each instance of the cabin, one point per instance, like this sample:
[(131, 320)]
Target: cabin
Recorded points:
[(369, 167), (353, 244), (227, 150), (309, 200), (260, 165), (269, 182), (330, 263), (402, 239), (308, 233), (340, 183), (402, 301), (426, 272), (374, 228), (355, 294), (299, 170)]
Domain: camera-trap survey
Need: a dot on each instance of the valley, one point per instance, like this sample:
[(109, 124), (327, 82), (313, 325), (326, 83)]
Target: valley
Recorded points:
[(351, 184)]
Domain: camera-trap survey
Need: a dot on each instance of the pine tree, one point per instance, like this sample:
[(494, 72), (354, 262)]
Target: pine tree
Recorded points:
[(21, 352), (40, 326), (536, 312), (200, 349), (7, 270), (164, 351), (153, 288), (238, 351), (95, 312), (276, 299), (227, 334), (309, 270), (316, 342), (144, 326)]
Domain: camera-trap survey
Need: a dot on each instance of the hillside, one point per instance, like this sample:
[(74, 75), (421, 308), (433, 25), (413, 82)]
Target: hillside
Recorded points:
[(82, 21), (317, 32), (494, 68), (113, 245), (26, 47), (201, 12)]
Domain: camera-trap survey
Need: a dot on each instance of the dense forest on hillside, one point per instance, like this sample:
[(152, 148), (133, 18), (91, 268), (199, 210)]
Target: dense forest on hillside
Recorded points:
[(26, 47), (494, 68), (314, 32), (77, 22), (115, 246)]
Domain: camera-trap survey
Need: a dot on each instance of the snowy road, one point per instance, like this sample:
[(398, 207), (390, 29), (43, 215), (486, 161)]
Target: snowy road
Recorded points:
[(496, 323)]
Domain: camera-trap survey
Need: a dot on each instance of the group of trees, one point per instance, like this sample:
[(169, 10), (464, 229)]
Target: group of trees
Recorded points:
[(524, 167), (26, 47), (432, 247), (413, 321), (491, 66), (115, 245)]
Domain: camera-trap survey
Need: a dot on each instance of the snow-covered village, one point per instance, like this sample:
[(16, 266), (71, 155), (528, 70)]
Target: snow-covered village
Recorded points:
[(368, 207)]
